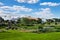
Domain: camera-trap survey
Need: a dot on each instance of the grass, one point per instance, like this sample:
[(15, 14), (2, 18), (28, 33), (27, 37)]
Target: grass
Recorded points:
[(16, 35)]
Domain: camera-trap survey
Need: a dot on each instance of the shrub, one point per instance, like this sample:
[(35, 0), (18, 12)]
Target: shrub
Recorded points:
[(48, 29), (57, 29)]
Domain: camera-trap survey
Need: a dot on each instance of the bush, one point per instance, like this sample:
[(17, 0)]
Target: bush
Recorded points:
[(40, 29), (48, 29), (57, 29)]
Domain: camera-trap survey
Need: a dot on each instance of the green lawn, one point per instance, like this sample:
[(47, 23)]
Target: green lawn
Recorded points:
[(15, 35)]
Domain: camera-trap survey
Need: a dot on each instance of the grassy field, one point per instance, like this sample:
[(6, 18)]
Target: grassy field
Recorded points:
[(16, 35)]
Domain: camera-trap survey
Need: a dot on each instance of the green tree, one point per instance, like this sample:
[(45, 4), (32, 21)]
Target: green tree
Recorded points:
[(39, 21), (49, 21)]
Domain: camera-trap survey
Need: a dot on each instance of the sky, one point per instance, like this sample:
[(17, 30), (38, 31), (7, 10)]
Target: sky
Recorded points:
[(35, 8)]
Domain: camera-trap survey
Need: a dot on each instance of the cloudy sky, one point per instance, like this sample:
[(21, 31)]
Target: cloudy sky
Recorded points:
[(34, 8)]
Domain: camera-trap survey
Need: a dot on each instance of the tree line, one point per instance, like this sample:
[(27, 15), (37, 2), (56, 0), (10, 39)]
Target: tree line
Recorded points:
[(25, 22)]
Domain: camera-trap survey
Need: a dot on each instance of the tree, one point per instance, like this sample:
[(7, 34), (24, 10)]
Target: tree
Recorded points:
[(24, 21), (40, 28), (19, 20), (39, 20), (49, 21), (1, 21), (56, 20)]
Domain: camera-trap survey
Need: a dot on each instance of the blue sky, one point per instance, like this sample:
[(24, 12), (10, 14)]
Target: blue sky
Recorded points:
[(34, 8)]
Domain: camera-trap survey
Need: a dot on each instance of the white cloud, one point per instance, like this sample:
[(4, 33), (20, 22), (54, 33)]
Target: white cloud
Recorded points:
[(8, 16), (1, 3), (50, 4), (44, 13), (13, 11), (16, 8), (22, 8), (1, 12), (27, 1)]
